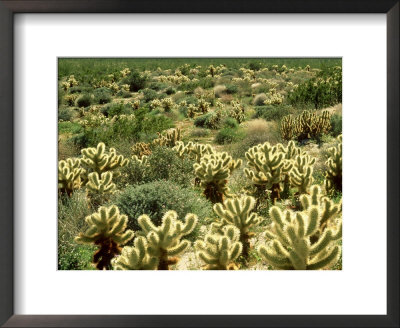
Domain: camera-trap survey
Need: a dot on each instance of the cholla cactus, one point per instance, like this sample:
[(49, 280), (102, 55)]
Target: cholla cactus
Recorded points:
[(194, 150), (135, 258), (213, 171), (170, 139), (165, 241), (100, 161), (141, 161), (136, 104), (100, 184), (141, 149), (237, 111), (167, 104), (333, 177), (274, 98), (288, 128), (155, 103), (328, 209), (69, 175), (125, 87), (219, 251), (301, 173), (290, 247), (268, 167), (70, 99), (107, 231), (203, 106), (311, 125), (191, 110), (237, 212), (125, 72), (291, 152)]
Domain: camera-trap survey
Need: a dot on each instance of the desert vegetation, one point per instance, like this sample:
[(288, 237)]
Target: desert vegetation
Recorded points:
[(200, 164)]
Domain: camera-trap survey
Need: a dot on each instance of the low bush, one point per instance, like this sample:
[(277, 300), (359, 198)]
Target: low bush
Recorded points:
[(69, 127), (199, 133), (230, 122), (84, 100), (259, 99), (228, 135), (158, 197), (135, 80), (336, 123), (231, 89), (124, 94), (118, 108), (273, 112), (149, 95), (65, 114), (170, 91), (102, 95)]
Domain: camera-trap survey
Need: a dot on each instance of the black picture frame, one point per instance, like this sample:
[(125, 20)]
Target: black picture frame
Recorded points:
[(7, 11)]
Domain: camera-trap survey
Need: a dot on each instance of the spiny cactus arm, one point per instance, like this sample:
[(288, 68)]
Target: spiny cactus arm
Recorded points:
[(273, 258), (190, 224), (179, 248), (100, 185), (145, 223), (330, 259)]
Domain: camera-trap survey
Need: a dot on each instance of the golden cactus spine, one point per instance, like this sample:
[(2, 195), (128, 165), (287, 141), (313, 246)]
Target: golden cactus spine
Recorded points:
[(213, 172), (268, 167), (165, 242), (100, 161), (290, 247), (219, 251), (136, 257), (170, 139), (107, 230), (141, 149), (69, 175), (237, 212), (333, 177), (301, 173)]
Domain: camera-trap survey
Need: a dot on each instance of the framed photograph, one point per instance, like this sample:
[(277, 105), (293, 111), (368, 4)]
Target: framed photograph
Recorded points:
[(198, 150)]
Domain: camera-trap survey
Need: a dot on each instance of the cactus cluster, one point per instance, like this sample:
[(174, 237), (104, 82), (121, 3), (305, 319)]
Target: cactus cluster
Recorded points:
[(268, 167), (238, 212), (237, 111), (301, 173), (291, 245), (69, 175), (165, 242), (141, 149), (213, 172), (219, 251), (101, 161), (107, 230), (170, 139), (333, 177), (308, 125)]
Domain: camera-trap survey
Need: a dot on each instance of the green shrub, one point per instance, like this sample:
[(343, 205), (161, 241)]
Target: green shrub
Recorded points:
[(123, 94), (71, 220), (156, 198), (259, 99), (228, 135), (201, 121), (157, 86), (65, 114), (199, 133), (231, 89), (336, 123), (230, 122), (118, 108), (135, 80), (272, 112), (84, 100), (80, 89), (69, 127), (102, 95), (170, 91), (149, 95)]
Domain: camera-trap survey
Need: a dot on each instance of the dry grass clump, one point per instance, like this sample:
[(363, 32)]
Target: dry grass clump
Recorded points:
[(219, 90), (259, 99)]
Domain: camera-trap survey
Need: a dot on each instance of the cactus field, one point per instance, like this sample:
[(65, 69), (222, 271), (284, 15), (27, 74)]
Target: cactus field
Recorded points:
[(200, 164)]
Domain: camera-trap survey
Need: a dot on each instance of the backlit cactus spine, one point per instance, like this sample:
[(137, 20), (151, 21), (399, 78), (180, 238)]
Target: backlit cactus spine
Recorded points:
[(107, 230), (136, 257), (333, 177), (268, 167), (237, 212), (165, 241), (170, 139), (100, 187), (301, 173), (290, 247), (100, 161), (141, 149), (213, 172), (219, 251), (69, 175)]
